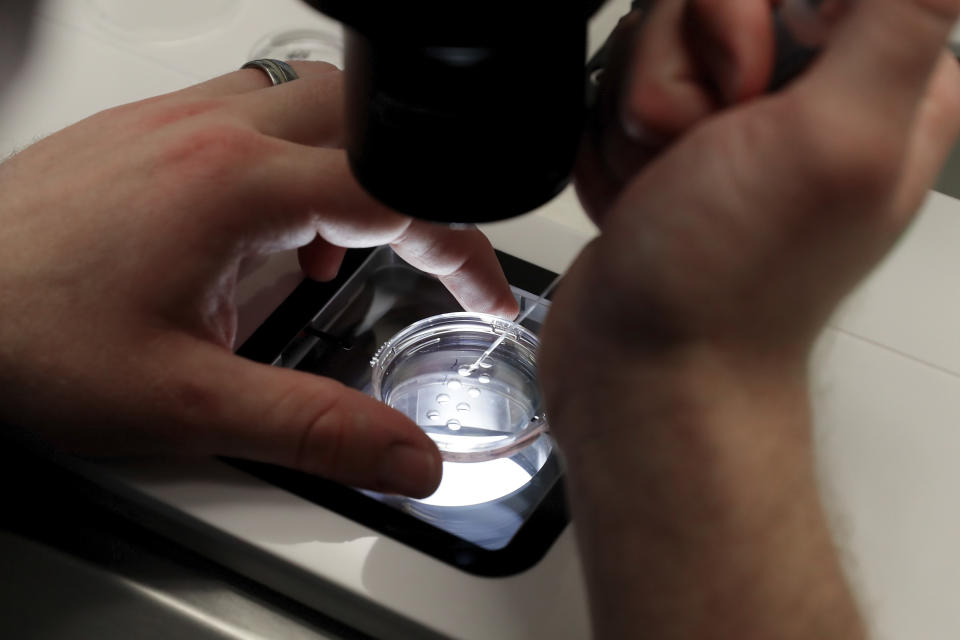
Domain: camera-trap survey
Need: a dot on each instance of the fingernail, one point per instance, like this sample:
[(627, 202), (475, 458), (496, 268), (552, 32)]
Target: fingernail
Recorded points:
[(633, 127), (632, 120), (639, 133), (409, 471)]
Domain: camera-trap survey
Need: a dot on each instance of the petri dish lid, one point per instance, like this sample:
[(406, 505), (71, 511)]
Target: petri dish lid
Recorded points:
[(474, 411)]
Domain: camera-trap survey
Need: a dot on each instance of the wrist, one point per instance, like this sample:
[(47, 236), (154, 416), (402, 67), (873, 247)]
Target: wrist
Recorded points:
[(694, 428), (696, 503), (708, 394)]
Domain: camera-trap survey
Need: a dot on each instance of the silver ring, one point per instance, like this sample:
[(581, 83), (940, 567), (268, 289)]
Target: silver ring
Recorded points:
[(277, 70)]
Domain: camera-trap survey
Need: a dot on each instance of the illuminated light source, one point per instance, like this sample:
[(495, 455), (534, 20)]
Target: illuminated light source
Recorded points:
[(468, 483)]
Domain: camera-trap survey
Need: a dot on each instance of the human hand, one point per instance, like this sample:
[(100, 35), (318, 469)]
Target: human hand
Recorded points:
[(120, 242), (674, 66), (673, 361), (756, 213)]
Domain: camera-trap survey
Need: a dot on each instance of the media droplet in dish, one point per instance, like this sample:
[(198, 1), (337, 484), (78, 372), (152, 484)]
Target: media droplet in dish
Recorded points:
[(486, 364), (463, 407), (454, 384), (433, 415), (473, 392), (484, 378), (443, 398), (464, 371), (453, 425)]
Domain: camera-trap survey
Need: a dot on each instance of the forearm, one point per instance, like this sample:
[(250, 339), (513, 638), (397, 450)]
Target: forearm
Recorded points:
[(698, 513)]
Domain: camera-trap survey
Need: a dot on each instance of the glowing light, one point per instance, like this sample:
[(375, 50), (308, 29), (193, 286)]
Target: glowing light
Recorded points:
[(466, 483)]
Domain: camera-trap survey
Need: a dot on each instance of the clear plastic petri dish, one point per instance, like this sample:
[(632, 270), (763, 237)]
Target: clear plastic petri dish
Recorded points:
[(473, 415)]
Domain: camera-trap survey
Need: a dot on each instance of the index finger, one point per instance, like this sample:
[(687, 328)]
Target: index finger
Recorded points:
[(313, 189), (465, 262)]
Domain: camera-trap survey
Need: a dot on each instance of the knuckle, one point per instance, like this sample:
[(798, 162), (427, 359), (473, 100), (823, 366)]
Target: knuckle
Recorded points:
[(322, 444), (427, 248), (160, 111), (213, 148), (326, 89), (647, 107), (847, 159), (318, 66), (443, 258), (164, 111)]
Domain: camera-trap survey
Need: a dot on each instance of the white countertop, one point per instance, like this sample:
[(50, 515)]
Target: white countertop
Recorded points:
[(887, 374)]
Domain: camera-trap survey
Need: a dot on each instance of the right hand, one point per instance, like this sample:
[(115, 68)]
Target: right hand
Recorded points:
[(673, 361), (668, 70), (738, 234)]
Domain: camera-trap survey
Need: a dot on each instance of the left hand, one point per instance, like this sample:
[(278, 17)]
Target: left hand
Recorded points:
[(120, 243)]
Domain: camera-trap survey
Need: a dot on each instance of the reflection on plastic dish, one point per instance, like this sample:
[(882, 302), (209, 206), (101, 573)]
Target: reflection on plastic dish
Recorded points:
[(468, 483)]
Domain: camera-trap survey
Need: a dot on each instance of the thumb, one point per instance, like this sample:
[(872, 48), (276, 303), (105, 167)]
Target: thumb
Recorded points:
[(692, 59), (243, 409), (734, 41)]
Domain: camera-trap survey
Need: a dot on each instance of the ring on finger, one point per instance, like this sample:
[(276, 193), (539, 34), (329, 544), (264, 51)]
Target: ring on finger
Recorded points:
[(277, 70)]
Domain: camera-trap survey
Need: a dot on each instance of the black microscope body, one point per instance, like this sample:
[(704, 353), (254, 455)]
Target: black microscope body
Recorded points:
[(460, 111)]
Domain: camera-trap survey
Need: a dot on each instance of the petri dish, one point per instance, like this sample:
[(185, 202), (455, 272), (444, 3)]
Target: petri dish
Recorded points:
[(472, 414)]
